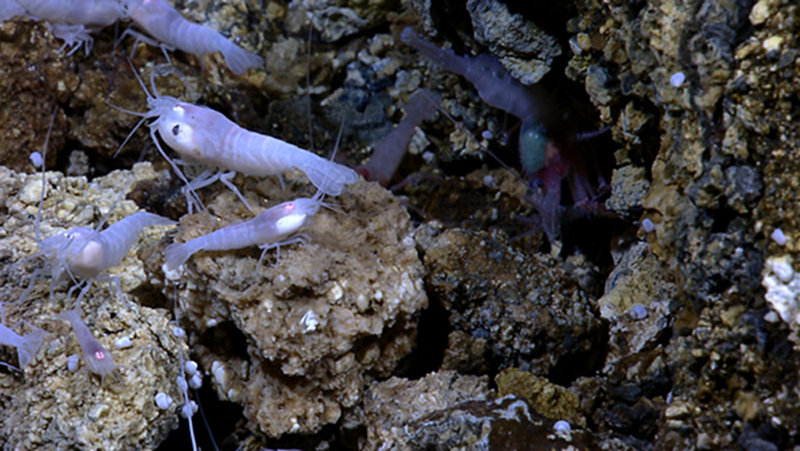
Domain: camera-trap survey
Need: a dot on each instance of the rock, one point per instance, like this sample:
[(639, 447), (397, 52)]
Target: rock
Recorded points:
[(119, 412), (638, 302), (392, 405), (530, 312), (523, 48), (320, 323), (551, 400), (503, 423)]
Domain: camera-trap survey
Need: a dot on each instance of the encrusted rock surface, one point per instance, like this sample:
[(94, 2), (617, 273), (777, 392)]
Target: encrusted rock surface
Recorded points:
[(692, 343), (47, 406), (327, 318), (531, 313), (391, 405)]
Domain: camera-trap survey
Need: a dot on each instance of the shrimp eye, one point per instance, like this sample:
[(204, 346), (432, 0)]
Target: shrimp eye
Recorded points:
[(176, 129)]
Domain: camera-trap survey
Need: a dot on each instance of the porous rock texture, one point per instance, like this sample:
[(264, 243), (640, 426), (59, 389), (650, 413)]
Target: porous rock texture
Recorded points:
[(46, 406), (319, 323)]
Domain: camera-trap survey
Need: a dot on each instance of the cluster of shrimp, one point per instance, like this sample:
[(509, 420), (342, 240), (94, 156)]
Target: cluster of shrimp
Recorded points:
[(74, 21), (199, 135)]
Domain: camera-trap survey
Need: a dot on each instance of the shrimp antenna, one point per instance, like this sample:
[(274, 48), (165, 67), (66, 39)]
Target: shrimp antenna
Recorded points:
[(44, 177), (187, 406), (130, 135), (152, 82), (141, 82), (114, 205), (461, 127), (308, 85), (143, 116), (319, 196)]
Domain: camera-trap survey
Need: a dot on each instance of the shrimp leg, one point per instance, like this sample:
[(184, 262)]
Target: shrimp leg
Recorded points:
[(141, 37), (206, 178)]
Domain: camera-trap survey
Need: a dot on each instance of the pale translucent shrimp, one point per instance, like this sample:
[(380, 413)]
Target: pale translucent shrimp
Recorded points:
[(204, 136), (97, 358), (163, 22), (84, 254), (72, 20), (27, 345), (271, 229)]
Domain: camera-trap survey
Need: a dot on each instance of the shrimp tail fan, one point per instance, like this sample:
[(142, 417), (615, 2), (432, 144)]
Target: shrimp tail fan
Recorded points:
[(240, 60), (176, 254), (31, 343), (328, 176)]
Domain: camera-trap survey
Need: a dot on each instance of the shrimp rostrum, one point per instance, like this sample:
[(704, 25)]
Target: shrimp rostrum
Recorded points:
[(172, 31), (206, 137)]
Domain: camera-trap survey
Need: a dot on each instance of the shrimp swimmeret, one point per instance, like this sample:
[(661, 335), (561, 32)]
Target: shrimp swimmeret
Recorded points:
[(172, 31), (204, 136), (270, 229)]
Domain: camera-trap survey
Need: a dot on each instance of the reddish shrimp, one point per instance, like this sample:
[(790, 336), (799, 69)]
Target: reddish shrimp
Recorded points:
[(71, 21), (163, 22), (203, 136), (271, 229)]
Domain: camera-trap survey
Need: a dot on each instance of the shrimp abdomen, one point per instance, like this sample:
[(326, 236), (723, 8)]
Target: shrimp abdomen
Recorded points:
[(260, 155), (118, 238), (255, 154), (234, 236)]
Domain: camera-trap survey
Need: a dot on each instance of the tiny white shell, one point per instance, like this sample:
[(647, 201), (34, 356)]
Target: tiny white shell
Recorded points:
[(123, 343), (778, 236), (677, 79), (196, 381), (189, 409), (309, 321), (191, 367), (72, 362), (36, 159), (562, 426), (163, 400)]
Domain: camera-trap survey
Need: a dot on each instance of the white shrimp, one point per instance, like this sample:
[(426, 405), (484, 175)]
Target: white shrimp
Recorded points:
[(163, 22), (204, 136), (72, 21), (84, 254), (271, 229)]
